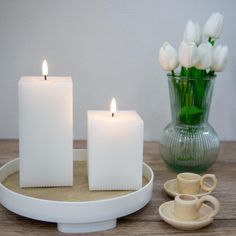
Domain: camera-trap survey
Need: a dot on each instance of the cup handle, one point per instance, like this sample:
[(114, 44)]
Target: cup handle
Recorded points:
[(210, 176), (213, 201)]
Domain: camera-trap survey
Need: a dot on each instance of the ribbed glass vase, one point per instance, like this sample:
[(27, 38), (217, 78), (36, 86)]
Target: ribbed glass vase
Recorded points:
[(189, 143)]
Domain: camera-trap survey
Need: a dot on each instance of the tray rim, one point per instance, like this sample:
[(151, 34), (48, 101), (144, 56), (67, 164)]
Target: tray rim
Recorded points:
[(76, 202)]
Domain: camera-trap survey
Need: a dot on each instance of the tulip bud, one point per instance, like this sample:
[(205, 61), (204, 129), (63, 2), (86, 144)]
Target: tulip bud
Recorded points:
[(188, 54), (219, 58), (168, 57), (192, 33), (205, 56), (214, 26)]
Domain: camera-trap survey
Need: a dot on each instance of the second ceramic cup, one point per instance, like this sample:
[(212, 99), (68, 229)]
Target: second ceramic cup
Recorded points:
[(190, 183), (187, 207)]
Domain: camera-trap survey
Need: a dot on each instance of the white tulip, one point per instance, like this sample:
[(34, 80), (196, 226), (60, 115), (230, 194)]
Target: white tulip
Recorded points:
[(188, 54), (219, 58), (168, 57), (205, 56), (214, 26), (192, 33)]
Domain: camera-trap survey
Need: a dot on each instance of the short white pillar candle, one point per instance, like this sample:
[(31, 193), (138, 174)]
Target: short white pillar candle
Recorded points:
[(115, 150), (45, 131)]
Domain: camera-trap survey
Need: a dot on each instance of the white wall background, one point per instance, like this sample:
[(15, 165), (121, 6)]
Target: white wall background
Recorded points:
[(110, 48)]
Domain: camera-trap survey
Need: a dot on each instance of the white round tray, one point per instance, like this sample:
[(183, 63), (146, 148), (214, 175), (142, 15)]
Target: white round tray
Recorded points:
[(75, 216)]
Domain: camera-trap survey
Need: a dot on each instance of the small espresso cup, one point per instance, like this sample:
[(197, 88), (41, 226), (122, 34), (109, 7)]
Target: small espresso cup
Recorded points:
[(190, 183), (187, 207)]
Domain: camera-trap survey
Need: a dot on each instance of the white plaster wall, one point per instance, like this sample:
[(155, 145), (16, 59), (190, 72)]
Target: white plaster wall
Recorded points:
[(110, 48)]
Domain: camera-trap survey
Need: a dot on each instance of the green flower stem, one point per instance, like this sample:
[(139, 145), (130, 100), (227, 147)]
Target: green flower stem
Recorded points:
[(183, 71), (191, 92), (211, 41), (187, 73), (211, 73), (200, 73)]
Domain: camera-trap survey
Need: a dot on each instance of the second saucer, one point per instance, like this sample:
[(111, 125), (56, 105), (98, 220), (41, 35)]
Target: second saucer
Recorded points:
[(171, 189)]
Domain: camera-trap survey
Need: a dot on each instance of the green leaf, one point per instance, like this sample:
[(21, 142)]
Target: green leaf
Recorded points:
[(190, 115), (190, 110)]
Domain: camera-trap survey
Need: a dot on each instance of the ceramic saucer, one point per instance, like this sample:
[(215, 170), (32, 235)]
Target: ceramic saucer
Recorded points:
[(166, 211), (170, 187)]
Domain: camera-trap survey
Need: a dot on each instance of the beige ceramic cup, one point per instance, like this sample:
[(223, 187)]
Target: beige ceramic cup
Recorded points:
[(187, 207), (190, 183)]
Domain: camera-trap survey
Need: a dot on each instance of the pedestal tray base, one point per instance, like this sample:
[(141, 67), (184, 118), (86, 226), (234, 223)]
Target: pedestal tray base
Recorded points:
[(74, 209), (86, 227)]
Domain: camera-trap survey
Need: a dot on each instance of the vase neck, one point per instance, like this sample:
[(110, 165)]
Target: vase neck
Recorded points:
[(190, 100)]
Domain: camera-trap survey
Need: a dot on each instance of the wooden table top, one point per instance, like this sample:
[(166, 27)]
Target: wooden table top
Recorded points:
[(147, 220)]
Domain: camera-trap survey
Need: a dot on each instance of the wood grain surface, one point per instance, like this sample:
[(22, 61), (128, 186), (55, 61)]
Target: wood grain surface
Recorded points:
[(147, 220)]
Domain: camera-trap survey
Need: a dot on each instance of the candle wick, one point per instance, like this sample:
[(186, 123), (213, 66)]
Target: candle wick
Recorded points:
[(45, 77), (112, 114)]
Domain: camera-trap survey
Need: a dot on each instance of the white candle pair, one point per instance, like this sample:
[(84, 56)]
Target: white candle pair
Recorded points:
[(115, 139)]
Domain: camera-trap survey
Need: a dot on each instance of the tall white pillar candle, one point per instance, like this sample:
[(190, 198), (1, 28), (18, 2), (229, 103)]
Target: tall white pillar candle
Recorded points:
[(45, 131), (115, 150)]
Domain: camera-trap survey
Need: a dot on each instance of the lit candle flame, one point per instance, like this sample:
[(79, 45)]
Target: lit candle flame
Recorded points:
[(45, 68), (113, 107)]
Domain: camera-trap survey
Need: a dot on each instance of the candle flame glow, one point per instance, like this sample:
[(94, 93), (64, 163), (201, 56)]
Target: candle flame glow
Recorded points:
[(45, 68), (113, 107)]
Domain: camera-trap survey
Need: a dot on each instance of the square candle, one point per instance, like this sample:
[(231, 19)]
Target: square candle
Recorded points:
[(115, 150), (46, 131)]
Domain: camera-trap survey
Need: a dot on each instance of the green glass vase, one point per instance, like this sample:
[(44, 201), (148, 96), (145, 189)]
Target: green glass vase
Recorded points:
[(189, 143)]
